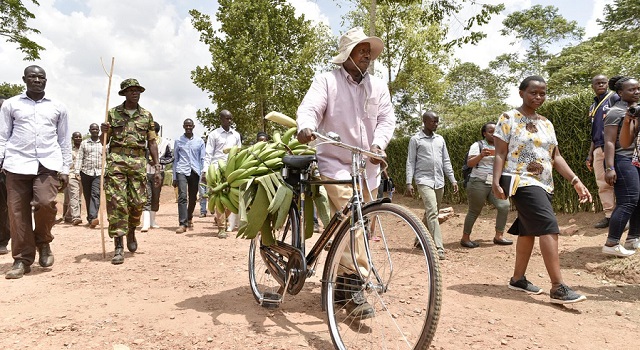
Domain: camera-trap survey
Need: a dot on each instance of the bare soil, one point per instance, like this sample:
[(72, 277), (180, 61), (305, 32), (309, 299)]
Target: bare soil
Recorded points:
[(190, 291)]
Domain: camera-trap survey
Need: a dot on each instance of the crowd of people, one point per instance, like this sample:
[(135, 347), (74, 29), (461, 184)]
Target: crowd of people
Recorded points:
[(521, 144)]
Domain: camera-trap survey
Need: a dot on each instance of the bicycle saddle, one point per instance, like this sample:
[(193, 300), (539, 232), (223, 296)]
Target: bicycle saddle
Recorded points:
[(298, 162)]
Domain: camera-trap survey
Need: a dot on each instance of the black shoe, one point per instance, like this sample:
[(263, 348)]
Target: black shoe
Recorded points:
[(502, 241), (17, 270), (469, 244), (349, 293), (604, 223), (132, 242), (203, 215), (46, 257), (118, 255)]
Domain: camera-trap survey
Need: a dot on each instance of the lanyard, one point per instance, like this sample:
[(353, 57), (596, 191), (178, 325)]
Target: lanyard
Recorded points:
[(592, 113)]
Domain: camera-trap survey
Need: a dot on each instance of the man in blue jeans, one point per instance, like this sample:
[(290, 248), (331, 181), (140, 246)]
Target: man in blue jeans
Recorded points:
[(187, 166)]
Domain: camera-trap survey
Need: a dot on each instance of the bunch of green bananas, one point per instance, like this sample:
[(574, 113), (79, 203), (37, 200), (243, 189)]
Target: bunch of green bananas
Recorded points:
[(250, 178)]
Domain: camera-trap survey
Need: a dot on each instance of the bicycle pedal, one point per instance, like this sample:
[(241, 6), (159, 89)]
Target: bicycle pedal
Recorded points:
[(271, 300)]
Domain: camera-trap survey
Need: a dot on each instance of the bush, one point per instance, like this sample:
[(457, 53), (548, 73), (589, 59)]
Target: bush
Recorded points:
[(573, 129)]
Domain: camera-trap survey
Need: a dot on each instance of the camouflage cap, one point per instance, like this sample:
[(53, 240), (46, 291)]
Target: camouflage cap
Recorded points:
[(127, 83)]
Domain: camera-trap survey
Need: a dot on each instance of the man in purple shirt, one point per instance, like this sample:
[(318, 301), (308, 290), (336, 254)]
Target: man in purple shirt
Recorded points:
[(35, 153), (357, 105)]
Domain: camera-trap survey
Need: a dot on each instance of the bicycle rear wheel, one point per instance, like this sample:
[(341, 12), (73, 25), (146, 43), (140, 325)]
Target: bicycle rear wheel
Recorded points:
[(403, 287), (267, 284)]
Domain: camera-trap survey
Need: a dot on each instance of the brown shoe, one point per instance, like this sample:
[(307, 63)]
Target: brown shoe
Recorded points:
[(94, 222), (76, 222), (17, 270), (181, 229)]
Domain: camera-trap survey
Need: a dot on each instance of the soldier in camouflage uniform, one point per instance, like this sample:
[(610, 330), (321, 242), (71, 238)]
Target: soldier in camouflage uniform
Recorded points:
[(129, 131)]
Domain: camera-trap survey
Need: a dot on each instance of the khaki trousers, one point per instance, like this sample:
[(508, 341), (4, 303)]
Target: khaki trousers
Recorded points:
[(605, 192), (339, 196)]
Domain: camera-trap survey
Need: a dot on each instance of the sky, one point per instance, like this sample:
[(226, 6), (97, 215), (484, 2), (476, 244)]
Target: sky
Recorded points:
[(154, 41)]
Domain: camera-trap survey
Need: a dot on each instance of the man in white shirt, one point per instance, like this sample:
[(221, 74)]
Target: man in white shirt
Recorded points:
[(35, 153), (220, 139)]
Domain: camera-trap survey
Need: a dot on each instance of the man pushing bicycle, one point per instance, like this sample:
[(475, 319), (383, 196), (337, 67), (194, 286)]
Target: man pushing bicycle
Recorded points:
[(358, 106)]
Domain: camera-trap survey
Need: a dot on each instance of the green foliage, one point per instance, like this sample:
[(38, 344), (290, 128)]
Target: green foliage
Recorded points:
[(621, 15), (417, 45), (9, 90), (13, 26), (263, 58), (539, 27), (573, 128), (612, 52)]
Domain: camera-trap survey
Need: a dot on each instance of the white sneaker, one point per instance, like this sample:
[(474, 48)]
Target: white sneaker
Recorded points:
[(632, 244), (617, 250)]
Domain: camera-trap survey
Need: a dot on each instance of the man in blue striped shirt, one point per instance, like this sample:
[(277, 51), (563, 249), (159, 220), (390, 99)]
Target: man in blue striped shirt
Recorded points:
[(189, 154)]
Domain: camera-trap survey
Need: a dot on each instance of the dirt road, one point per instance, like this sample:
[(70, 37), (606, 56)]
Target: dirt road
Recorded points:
[(190, 291)]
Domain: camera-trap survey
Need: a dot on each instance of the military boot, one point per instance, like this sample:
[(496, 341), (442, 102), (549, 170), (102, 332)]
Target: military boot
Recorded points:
[(118, 256), (132, 243)]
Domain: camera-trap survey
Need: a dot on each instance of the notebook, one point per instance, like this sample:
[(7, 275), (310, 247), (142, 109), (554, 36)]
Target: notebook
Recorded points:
[(509, 183)]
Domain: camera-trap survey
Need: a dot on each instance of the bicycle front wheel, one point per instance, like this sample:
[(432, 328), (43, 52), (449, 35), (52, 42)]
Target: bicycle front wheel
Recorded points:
[(402, 287)]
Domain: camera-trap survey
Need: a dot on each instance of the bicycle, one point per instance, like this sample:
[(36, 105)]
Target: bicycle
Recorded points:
[(402, 282)]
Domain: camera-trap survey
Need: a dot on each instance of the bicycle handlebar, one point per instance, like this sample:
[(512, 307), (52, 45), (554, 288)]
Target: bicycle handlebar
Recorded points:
[(334, 139)]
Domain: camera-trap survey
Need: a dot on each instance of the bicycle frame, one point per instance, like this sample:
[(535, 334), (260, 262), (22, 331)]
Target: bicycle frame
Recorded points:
[(353, 211)]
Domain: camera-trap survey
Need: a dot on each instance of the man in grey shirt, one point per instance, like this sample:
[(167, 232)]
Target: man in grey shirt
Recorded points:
[(428, 163)]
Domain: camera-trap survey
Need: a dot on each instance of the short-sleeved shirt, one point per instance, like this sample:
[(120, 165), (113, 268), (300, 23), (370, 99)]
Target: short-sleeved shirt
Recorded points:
[(614, 118), (131, 131), (485, 165), (531, 147)]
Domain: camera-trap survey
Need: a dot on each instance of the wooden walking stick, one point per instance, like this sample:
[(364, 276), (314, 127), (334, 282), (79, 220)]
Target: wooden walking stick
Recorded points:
[(103, 201)]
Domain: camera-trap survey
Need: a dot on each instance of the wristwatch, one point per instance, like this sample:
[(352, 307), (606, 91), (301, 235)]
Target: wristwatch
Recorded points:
[(609, 168)]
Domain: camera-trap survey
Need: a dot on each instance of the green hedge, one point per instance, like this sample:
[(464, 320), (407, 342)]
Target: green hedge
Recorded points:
[(573, 128)]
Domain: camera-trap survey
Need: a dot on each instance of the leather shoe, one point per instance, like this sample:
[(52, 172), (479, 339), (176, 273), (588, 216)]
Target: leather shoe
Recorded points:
[(118, 254), (3, 250), (502, 241), (46, 257), (469, 244), (17, 270), (132, 242), (604, 223), (181, 229)]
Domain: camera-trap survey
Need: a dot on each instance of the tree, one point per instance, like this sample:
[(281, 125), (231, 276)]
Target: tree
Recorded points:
[(612, 52), (263, 59), (9, 90), (539, 27), (13, 26), (473, 93), (417, 46)]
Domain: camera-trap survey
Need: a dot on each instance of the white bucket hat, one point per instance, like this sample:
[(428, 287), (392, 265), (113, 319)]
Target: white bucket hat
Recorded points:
[(352, 38)]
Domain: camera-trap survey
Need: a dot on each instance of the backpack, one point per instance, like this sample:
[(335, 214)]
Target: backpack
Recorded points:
[(466, 170)]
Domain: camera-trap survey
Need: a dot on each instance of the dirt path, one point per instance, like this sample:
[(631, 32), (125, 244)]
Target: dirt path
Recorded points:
[(191, 291)]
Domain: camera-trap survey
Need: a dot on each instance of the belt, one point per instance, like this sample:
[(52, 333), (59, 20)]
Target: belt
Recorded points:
[(125, 151)]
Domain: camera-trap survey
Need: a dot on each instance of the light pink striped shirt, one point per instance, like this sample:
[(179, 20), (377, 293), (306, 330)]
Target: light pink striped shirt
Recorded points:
[(362, 114)]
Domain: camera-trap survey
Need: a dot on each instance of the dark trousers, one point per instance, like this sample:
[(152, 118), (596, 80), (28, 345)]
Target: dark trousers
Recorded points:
[(26, 191), (627, 209), (91, 192), (5, 230), (187, 184)]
